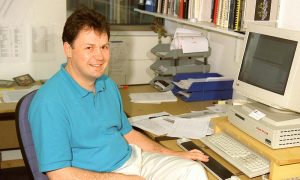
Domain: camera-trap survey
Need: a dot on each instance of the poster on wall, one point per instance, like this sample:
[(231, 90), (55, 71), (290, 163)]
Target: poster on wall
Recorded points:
[(43, 43), (12, 43)]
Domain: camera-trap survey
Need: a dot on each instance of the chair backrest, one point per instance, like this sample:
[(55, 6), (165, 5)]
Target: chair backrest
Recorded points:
[(25, 138)]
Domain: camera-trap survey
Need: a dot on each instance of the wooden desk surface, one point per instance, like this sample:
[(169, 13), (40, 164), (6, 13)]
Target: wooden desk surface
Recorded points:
[(284, 162), (179, 107)]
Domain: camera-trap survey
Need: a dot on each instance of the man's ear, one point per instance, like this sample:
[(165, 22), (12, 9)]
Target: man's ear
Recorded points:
[(67, 50)]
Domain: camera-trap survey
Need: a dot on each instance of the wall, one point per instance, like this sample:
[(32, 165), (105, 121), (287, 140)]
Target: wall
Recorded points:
[(52, 13), (41, 28), (39, 25), (289, 16)]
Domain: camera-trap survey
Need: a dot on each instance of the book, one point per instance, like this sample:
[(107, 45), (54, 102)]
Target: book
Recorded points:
[(165, 6), (181, 9), (159, 6), (238, 15), (219, 14), (151, 5), (186, 9), (225, 13), (216, 6), (232, 14), (205, 10)]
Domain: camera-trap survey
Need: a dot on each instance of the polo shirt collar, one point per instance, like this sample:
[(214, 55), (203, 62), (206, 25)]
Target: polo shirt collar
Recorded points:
[(82, 92)]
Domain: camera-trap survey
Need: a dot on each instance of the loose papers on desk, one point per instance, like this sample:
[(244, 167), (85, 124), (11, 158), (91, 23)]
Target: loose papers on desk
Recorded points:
[(191, 125), (154, 97), (189, 41), (10, 96)]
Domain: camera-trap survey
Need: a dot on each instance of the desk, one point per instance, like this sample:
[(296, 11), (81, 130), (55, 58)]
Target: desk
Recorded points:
[(285, 163), (8, 136)]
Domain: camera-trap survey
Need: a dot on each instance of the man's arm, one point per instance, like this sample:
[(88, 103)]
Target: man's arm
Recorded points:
[(71, 173), (145, 143)]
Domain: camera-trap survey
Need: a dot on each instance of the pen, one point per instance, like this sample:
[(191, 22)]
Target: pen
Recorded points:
[(151, 117)]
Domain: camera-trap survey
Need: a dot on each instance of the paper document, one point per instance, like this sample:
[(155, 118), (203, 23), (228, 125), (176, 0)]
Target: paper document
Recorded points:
[(189, 41), (191, 125), (11, 96), (193, 128), (155, 97), (154, 123), (193, 44), (148, 116), (11, 155)]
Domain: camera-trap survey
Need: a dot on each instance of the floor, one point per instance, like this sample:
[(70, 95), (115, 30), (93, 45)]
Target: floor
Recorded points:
[(13, 174)]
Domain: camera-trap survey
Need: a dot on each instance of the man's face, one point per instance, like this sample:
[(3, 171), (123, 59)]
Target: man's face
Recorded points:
[(88, 56)]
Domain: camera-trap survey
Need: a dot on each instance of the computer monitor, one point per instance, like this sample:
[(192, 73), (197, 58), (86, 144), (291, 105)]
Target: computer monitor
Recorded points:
[(270, 68)]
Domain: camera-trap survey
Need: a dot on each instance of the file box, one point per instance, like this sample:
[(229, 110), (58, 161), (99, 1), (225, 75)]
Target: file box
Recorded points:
[(202, 91)]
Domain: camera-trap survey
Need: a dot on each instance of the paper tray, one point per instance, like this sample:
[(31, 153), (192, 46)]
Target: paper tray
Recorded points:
[(200, 91), (163, 51)]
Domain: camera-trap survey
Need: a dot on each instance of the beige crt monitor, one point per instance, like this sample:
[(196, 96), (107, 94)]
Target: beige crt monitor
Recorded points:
[(270, 75), (270, 68)]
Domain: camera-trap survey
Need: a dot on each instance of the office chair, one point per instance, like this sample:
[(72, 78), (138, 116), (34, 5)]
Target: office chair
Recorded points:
[(25, 138)]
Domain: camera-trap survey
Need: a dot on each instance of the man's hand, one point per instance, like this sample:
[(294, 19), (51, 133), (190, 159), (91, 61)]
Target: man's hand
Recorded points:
[(194, 154)]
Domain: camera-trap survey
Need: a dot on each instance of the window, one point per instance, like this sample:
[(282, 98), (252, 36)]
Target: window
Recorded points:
[(119, 13)]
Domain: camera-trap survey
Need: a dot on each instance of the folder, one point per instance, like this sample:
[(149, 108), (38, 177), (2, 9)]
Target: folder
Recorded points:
[(151, 5)]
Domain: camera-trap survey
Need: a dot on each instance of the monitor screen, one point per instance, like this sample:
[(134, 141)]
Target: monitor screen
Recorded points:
[(267, 62), (270, 68)]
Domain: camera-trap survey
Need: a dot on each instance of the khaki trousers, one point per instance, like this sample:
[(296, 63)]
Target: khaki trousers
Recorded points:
[(155, 166)]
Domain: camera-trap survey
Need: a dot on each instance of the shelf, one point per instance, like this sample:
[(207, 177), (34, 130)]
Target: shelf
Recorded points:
[(203, 25)]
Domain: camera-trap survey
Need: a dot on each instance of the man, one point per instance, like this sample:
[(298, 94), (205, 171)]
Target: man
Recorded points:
[(79, 128)]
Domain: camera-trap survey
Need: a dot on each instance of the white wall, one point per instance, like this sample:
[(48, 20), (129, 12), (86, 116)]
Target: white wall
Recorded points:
[(289, 16), (224, 57), (34, 14), (52, 13)]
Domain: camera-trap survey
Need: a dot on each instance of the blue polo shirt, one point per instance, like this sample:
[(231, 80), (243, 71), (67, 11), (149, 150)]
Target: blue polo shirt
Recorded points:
[(73, 127)]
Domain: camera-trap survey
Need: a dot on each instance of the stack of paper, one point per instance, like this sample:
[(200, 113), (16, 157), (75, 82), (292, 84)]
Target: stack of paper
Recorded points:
[(155, 97), (192, 125), (10, 96), (189, 41)]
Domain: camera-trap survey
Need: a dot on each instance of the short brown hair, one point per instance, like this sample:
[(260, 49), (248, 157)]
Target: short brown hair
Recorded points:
[(82, 18)]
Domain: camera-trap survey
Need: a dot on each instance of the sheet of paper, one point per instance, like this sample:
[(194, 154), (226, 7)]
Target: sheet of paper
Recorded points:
[(118, 60), (193, 128), (155, 97), (154, 123), (158, 126), (15, 95), (148, 116), (196, 114), (11, 155), (193, 44), (43, 42), (12, 43)]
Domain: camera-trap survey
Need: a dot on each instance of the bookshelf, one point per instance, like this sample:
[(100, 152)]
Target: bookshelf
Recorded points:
[(203, 25)]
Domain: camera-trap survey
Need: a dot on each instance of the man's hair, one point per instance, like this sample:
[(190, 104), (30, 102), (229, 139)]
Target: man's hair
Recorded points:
[(83, 18)]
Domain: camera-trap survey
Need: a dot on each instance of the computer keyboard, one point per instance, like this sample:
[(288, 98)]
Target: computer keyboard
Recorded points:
[(239, 155)]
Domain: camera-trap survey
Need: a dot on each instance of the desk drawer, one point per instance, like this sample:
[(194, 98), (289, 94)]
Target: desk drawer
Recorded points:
[(8, 135)]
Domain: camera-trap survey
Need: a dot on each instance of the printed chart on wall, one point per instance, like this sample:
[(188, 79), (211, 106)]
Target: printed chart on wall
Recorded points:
[(43, 43), (20, 40), (12, 43), (12, 29), (117, 66)]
